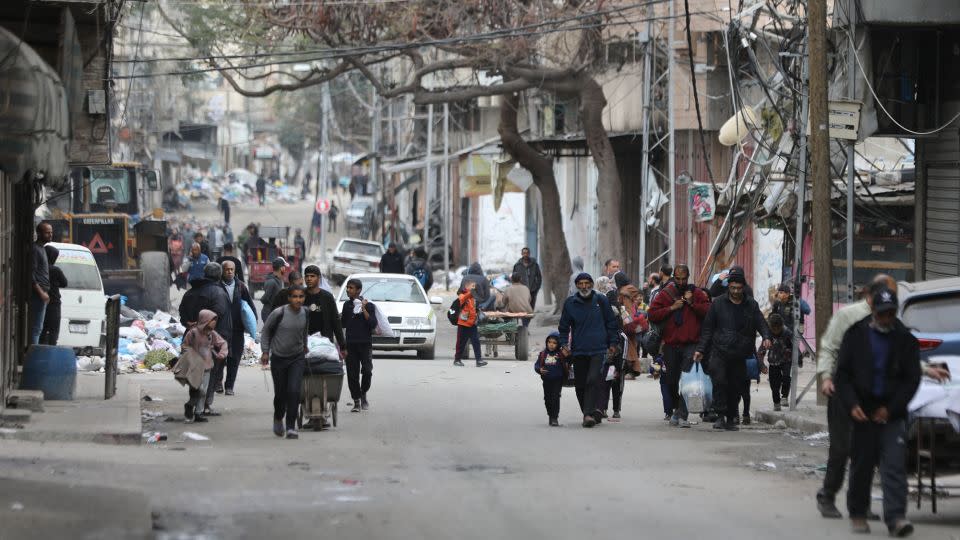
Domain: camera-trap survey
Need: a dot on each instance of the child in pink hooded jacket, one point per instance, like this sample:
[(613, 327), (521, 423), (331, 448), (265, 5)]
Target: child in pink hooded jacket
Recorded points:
[(208, 344)]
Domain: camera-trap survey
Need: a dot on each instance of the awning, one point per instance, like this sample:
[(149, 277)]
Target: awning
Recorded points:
[(168, 154), (35, 123)]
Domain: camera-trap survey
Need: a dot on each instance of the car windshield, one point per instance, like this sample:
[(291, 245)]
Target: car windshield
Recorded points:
[(80, 269), (361, 248), (378, 289), (933, 314)]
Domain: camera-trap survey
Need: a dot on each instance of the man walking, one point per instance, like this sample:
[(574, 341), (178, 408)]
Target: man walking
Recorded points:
[(228, 255), (590, 323), (301, 246), (878, 371), (838, 419), (359, 320), (729, 334), (271, 286), (418, 268), (332, 216), (530, 275), (237, 293), (261, 190), (392, 261), (680, 308), (322, 313), (284, 343), (224, 206), (39, 294)]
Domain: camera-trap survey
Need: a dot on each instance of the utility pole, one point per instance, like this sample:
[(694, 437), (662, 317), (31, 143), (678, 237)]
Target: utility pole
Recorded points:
[(798, 248), (645, 167), (323, 182), (428, 182), (672, 147), (820, 165), (851, 155), (375, 158), (447, 205)]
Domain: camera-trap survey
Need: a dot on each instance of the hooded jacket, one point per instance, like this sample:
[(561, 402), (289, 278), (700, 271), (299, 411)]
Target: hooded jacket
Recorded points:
[(576, 267), (58, 279), (416, 263), (590, 323), (208, 294), (555, 365), (208, 344)]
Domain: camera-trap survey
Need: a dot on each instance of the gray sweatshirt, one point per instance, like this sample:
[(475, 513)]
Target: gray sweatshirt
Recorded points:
[(289, 338)]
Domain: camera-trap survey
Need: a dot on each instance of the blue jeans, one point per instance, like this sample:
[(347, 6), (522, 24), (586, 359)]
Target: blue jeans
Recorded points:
[(38, 310)]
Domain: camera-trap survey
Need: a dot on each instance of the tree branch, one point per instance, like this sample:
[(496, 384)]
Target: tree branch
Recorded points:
[(423, 97)]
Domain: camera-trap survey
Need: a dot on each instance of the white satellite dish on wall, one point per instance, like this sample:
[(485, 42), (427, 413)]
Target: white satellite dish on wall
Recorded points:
[(738, 127)]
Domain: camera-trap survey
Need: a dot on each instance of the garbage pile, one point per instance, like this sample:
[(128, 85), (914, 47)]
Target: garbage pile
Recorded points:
[(150, 341), (209, 190)]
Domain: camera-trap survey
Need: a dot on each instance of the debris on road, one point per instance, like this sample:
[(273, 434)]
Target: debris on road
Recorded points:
[(195, 436)]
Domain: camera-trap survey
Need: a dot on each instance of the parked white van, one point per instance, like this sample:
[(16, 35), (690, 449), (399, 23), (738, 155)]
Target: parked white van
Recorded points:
[(82, 316)]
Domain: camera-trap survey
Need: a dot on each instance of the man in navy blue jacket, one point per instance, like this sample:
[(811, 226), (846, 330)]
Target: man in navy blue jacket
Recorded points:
[(359, 319), (592, 329)]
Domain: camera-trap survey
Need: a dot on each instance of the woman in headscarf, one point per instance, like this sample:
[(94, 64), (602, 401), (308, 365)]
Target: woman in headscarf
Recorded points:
[(634, 317)]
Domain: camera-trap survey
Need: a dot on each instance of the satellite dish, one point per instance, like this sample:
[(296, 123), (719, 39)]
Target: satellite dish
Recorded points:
[(738, 127)]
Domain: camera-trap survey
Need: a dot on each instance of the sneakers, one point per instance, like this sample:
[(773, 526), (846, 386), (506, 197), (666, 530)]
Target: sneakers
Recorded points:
[(902, 528), (684, 424), (859, 526), (200, 418), (589, 421), (603, 414), (219, 388), (364, 404), (228, 391), (776, 406), (736, 421), (356, 406), (480, 363), (188, 413), (674, 420), (554, 422), (278, 428), (458, 363), (616, 414), (292, 434), (666, 417), (720, 424), (746, 419), (827, 508)]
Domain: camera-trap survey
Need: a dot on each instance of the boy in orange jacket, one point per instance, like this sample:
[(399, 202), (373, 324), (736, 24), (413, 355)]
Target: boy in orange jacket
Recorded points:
[(467, 325)]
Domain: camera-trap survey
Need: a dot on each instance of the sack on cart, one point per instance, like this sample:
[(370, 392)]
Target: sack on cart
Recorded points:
[(319, 346), (324, 366), (696, 388)]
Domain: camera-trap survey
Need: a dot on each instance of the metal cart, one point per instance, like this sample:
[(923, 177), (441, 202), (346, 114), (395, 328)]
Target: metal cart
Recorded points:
[(505, 331), (318, 399)]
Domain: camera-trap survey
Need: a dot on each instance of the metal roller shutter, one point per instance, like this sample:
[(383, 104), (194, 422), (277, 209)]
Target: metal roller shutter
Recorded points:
[(942, 216)]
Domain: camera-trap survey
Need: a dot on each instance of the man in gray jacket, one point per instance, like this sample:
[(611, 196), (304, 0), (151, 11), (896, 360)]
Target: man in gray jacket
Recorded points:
[(284, 344)]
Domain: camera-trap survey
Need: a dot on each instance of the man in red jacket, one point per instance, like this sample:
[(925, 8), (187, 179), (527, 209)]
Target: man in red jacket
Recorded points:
[(679, 308)]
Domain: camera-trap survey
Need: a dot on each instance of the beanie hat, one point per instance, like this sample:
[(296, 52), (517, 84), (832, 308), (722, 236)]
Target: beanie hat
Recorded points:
[(583, 276), (621, 280)]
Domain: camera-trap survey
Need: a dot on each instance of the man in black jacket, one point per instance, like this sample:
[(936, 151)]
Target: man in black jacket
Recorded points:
[(208, 293), (322, 313), (359, 321), (530, 275), (729, 333), (878, 372), (392, 261), (238, 293)]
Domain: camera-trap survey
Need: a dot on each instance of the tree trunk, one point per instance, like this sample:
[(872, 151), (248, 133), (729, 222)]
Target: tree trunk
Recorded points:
[(554, 257), (610, 237)]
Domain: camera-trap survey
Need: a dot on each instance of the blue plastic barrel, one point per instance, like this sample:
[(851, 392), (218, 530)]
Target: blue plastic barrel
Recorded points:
[(52, 370)]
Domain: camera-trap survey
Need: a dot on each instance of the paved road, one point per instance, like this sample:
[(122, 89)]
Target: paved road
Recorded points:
[(451, 452)]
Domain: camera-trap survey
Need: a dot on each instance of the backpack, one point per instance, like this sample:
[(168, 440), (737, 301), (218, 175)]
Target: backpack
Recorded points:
[(453, 314), (422, 276)]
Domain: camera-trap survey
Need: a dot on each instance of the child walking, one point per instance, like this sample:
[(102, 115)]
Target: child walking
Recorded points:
[(208, 344), (467, 325), (552, 370), (779, 359)]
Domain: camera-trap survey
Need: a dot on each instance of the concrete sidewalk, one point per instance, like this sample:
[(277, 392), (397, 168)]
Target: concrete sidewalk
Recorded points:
[(809, 418), (87, 418), (31, 509)]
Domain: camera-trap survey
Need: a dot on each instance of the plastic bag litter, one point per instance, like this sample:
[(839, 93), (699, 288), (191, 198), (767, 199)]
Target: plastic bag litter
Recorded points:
[(130, 313), (696, 388), (160, 333), (133, 333), (321, 347), (177, 330), (138, 348), (163, 317), (139, 325), (89, 363)]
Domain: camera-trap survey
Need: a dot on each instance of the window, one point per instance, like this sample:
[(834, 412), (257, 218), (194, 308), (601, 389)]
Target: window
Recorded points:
[(377, 289), (933, 313), (361, 248), (80, 270), (109, 184)]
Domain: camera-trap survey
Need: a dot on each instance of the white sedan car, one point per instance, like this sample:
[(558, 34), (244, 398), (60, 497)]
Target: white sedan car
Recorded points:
[(402, 299)]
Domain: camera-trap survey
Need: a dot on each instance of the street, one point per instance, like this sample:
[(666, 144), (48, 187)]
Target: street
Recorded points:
[(450, 452)]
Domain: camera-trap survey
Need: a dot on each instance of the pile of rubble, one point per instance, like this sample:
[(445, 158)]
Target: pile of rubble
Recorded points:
[(149, 341), (210, 190)]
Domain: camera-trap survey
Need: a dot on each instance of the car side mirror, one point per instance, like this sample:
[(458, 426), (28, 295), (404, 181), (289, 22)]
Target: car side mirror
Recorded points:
[(436, 300)]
